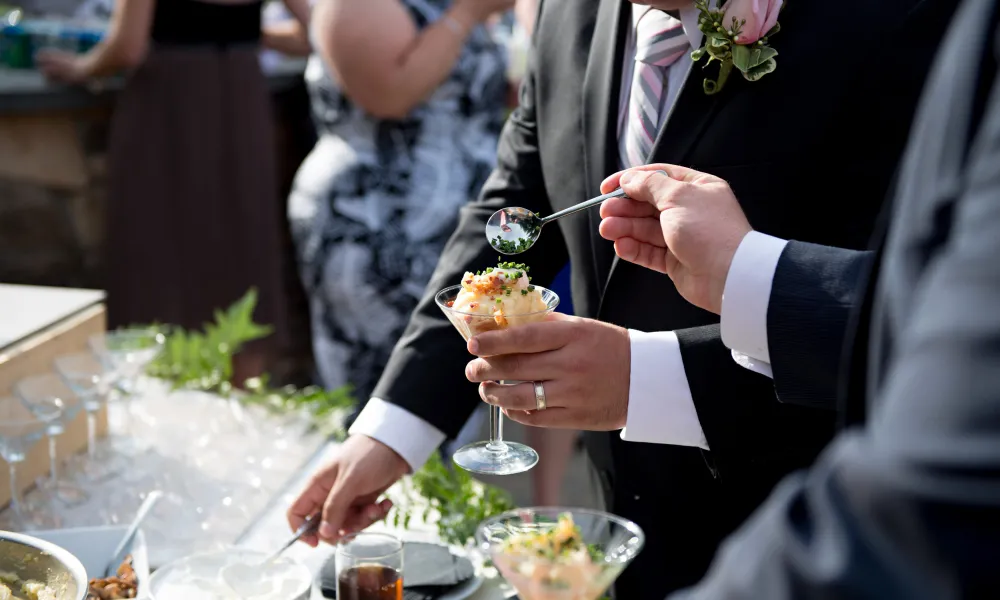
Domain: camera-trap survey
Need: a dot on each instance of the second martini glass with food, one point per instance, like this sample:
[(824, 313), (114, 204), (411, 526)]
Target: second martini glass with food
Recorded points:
[(489, 300)]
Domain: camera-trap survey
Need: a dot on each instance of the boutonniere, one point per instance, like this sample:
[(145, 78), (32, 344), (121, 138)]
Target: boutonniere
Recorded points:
[(737, 36)]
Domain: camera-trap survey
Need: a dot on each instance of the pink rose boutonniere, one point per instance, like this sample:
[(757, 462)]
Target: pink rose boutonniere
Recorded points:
[(737, 36)]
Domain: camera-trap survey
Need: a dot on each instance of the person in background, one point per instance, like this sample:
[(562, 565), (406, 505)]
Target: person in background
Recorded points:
[(408, 101), (193, 217)]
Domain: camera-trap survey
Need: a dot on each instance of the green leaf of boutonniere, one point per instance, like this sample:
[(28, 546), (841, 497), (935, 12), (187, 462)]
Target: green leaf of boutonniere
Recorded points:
[(755, 73), (752, 60)]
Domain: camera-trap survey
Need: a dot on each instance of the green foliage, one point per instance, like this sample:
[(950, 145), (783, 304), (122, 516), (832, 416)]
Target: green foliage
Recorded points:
[(461, 501), (203, 360)]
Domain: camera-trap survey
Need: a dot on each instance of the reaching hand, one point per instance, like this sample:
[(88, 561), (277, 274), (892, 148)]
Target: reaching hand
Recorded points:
[(61, 66), (347, 490), (686, 224)]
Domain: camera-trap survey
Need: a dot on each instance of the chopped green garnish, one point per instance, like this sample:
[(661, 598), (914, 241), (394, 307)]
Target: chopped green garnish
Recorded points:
[(531, 288), (524, 292)]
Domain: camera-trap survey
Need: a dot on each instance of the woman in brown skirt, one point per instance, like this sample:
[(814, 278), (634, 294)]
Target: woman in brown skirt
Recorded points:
[(194, 219)]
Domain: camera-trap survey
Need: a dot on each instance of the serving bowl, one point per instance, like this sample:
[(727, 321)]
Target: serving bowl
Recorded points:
[(30, 558)]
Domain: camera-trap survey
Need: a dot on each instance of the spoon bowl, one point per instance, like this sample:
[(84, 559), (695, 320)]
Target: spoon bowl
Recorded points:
[(513, 230)]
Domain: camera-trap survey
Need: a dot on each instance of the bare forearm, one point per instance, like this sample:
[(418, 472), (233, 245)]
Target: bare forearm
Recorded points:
[(409, 79), (288, 38)]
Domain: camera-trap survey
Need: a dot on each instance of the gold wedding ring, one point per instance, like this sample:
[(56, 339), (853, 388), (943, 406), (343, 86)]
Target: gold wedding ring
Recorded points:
[(539, 396)]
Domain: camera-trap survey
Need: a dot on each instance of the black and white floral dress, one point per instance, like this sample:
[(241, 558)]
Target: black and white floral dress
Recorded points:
[(375, 201)]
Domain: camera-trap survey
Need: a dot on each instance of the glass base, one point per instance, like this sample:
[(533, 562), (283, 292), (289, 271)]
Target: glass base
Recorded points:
[(501, 458)]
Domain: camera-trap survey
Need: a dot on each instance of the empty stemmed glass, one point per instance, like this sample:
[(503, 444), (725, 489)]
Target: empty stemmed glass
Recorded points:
[(84, 374), (125, 353), (38, 392), (20, 429), (496, 456)]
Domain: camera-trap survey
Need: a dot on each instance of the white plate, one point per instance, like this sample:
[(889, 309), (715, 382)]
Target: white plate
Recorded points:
[(465, 590), (93, 547)]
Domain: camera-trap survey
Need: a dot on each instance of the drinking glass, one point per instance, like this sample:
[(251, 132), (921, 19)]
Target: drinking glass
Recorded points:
[(496, 456), (85, 376), (369, 567), (125, 353), (20, 429), (611, 543), (38, 392)]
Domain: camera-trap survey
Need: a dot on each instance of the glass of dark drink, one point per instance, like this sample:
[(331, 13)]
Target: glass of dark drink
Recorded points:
[(370, 567)]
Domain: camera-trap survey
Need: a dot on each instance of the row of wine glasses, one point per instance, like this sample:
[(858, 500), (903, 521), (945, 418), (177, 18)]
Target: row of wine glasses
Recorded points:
[(43, 405)]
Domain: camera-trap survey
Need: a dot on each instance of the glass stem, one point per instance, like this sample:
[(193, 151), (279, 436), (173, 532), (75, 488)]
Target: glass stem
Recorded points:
[(15, 493), (53, 461), (91, 434), (496, 431)]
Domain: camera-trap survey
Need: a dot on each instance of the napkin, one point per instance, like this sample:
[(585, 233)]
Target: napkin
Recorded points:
[(429, 571)]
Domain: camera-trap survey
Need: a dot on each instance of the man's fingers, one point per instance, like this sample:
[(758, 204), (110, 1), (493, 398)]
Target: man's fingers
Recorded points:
[(310, 501), (642, 254), (509, 367), (559, 418), (646, 230), (522, 395), (366, 513), (627, 207), (529, 338), (335, 510)]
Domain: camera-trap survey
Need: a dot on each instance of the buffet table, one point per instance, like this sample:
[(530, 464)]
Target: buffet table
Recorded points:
[(227, 471)]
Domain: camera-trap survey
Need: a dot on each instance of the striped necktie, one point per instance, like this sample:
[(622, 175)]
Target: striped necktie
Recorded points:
[(660, 42)]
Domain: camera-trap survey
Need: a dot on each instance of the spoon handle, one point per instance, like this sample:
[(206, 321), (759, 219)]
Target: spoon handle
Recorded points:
[(147, 505), (583, 206)]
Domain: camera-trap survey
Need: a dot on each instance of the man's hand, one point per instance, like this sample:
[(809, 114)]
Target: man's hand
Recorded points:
[(347, 490), (584, 366), (685, 224)]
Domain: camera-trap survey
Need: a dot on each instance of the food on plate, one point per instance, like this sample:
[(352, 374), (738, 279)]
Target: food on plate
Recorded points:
[(13, 587), (500, 293), (551, 559), (123, 584)]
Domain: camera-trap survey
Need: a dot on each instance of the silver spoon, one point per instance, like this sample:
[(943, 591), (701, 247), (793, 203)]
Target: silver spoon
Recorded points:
[(310, 525), (513, 230), (144, 509)]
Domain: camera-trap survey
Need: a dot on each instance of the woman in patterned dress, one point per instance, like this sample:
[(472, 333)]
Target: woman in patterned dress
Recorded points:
[(408, 99)]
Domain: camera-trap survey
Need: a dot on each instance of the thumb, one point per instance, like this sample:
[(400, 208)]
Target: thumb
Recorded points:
[(652, 187)]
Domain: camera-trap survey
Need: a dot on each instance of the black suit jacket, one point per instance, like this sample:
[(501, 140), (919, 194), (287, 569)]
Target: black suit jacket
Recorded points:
[(907, 505), (796, 147)]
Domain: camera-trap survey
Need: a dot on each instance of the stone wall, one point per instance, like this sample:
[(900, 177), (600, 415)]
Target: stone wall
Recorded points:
[(51, 236)]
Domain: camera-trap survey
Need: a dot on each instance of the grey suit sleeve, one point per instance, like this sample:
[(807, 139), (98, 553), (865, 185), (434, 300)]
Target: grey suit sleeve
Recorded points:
[(814, 294), (908, 506)]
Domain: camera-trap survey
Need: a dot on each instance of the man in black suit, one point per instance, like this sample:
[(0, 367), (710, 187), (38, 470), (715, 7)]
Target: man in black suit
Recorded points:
[(906, 502), (826, 115)]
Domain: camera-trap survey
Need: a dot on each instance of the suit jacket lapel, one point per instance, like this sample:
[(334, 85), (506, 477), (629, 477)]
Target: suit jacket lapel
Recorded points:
[(601, 91), (691, 113)]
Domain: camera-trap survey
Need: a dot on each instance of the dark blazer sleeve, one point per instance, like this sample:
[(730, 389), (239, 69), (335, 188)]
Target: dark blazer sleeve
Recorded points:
[(908, 506), (813, 296), (426, 371)]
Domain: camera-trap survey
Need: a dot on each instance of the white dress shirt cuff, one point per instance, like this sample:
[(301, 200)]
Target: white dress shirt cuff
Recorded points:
[(407, 434), (752, 364), (747, 294), (660, 407)]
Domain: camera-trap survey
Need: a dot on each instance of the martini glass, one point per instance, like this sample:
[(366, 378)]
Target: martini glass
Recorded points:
[(612, 541), (20, 429), (38, 392), (496, 456), (85, 375), (125, 354)]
